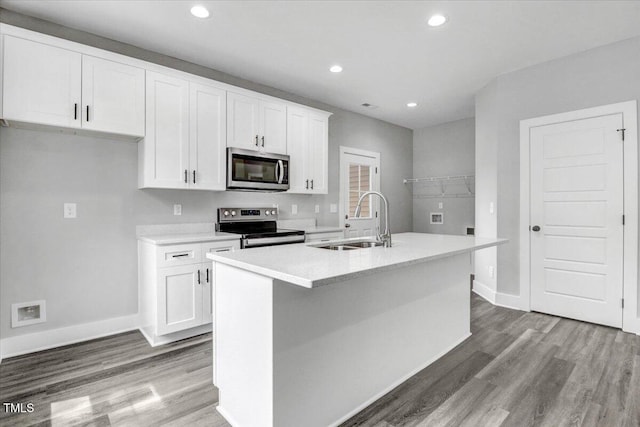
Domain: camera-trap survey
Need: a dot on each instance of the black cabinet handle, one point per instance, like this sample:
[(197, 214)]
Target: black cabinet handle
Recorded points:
[(87, 113), (263, 141), (198, 277), (207, 275), (256, 140), (307, 185), (75, 111), (194, 176), (186, 180), (535, 228), (312, 184), (181, 255)]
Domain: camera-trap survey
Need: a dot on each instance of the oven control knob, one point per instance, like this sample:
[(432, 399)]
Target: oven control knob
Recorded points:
[(225, 213), (233, 213), (267, 213), (273, 212)]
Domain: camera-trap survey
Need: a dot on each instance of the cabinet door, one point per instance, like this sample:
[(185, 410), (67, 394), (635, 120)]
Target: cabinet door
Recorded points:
[(208, 123), (41, 83), (166, 144), (318, 157), (243, 115), (112, 97), (273, 127), (297, 142), (180, 291), (209, 290)]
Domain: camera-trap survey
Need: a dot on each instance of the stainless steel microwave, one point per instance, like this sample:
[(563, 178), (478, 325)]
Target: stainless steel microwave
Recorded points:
[(257, 171)]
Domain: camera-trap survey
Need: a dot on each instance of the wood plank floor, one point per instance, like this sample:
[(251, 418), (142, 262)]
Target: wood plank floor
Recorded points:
[(518, 369)]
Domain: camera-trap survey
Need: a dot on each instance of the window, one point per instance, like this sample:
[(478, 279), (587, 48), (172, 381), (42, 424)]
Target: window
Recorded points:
[(359, 183)]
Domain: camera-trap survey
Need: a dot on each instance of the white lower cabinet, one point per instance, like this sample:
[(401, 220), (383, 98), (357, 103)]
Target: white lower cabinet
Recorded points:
[(181, 297), (175, 289)]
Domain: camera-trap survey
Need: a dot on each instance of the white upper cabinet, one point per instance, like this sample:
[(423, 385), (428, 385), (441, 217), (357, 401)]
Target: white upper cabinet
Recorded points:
[(208, 124), (273, 127), (112, 97), (184, 146), (298, 140), (41, 83), (308, 146), (318, 166), (164, 152), (256, 124), (48, 85)]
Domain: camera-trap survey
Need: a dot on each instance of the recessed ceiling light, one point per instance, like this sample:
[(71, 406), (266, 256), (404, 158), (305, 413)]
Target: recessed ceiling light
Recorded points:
[(336, 69), (412, 104), (437, 20), (199, 11)]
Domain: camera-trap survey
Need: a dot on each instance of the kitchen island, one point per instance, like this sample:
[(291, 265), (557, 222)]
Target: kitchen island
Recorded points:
[(307, 336)]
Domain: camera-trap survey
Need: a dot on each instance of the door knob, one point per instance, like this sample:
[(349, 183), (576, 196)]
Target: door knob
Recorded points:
[(347, 225), (535, 228)]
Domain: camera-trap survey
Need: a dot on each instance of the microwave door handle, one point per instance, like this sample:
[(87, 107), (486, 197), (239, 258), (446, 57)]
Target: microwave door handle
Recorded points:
[(280, 167)]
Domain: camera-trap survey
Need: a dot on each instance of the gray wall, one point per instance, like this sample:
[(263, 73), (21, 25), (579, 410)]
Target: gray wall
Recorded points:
[(86, 268), (441, 150), (596, 77)]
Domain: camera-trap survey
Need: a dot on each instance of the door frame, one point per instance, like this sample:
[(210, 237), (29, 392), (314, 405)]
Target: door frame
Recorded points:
[(358, 152), (630, 318)]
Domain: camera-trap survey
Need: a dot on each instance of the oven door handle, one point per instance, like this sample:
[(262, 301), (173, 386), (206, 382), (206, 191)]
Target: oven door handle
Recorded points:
[(280, 171)]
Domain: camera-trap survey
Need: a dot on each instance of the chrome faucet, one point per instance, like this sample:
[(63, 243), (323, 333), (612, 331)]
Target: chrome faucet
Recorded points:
[(385, 237)]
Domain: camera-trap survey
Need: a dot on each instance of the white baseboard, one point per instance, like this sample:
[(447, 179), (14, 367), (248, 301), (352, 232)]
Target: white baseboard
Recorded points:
[(156, 340), (484, 291), (510, 301), (499, 298), (44, 340)]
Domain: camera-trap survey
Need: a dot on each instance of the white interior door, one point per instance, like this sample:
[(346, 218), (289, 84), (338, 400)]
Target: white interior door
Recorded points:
[(577, 202), (359, 172)]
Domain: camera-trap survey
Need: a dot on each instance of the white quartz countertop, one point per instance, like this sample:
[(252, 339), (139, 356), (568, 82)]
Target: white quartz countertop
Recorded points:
[(308, 266), (179, 238)]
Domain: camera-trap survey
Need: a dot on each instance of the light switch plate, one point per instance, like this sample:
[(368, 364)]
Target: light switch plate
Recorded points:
[(440, 205), (333, 208), (317, 208), (294, 209), (70, 210), (491, 208), (177, 209)]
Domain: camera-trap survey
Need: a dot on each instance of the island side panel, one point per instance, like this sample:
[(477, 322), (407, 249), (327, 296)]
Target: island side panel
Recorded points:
[(338, 348), (243, 355)]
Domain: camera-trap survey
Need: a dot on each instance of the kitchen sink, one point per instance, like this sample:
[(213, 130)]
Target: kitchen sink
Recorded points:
[(350, 245)]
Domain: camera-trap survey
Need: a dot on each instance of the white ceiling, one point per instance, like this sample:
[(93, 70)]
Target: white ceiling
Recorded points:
[(389, 54)]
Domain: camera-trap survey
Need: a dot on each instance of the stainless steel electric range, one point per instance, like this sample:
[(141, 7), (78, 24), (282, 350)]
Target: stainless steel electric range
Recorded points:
[(257, 226)]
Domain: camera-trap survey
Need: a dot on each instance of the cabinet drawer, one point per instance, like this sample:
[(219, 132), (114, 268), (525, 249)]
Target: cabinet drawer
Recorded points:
[(168, 256), (324, 237), (225, 246)]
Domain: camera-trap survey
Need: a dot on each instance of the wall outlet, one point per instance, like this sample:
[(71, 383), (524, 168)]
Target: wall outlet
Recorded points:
[(317, 208), (440, 205), (177, 209), (333, 208), (491, 208), (294, 209), (492, 272), (69, 210)]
